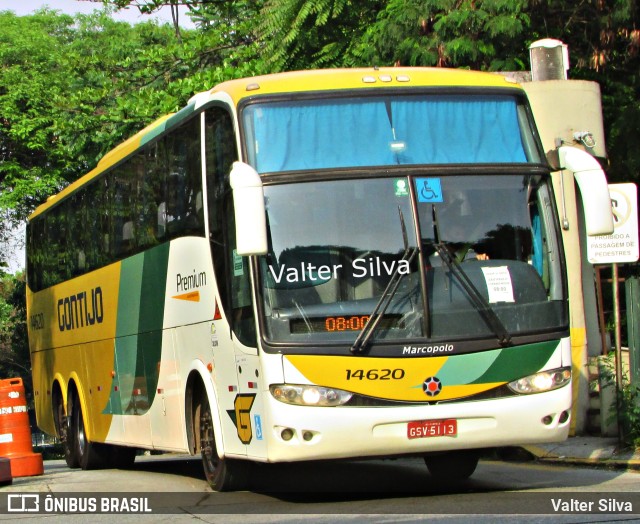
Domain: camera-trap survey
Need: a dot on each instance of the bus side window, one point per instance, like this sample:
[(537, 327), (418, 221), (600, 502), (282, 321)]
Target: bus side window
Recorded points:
[(536, 256), (539, 248), (178, 213), (231, 271)]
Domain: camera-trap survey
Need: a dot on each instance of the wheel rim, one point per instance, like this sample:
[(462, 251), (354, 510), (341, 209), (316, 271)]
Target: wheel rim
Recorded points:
[(80, 431), (207, 442), (61, 422)]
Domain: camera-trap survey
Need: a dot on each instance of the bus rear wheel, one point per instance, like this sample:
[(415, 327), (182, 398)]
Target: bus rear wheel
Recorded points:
[(452, 466), (62, 423), (222, 474)]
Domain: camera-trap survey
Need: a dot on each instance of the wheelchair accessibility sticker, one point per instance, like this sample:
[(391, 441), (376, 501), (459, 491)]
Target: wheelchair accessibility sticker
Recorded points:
[(429, 190), (258, 422)]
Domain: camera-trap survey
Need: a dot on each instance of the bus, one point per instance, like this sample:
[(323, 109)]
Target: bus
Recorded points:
[(304, 266)]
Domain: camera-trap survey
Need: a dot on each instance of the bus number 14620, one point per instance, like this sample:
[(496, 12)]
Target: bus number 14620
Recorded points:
[(375, 374)]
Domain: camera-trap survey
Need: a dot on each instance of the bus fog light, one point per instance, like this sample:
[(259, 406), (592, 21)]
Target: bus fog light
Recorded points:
[(564, 416), (303, 395), (307, 436), (547, 420), (543, 381), (287, 434)]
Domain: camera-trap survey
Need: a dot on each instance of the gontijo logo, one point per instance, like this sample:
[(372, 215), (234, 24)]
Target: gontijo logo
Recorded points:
[(80, 310)]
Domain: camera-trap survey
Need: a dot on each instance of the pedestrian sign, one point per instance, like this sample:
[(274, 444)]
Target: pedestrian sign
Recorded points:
[(622, 245)]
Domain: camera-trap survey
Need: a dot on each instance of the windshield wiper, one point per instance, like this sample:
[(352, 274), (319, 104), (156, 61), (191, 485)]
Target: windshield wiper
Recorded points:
[(479, 302), (362, 341)]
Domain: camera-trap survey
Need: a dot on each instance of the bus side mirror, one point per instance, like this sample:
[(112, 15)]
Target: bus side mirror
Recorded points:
[(250, 213), (593, 188)]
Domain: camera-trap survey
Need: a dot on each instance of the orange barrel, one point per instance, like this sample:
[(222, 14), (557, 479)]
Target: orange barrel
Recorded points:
[(15, 433)]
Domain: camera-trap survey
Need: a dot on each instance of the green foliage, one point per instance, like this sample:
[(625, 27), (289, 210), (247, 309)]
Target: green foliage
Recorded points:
[(309, 34), (14, 348), (30, 166), (628, 401), (72, 88), (227, 39), (455, 33)]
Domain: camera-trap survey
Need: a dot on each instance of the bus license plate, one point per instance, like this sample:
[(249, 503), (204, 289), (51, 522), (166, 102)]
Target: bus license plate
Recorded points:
[(432, 428)]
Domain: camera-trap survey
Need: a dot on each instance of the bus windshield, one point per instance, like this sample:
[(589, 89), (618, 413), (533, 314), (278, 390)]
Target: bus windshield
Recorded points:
[(333, 252), (383, 130)]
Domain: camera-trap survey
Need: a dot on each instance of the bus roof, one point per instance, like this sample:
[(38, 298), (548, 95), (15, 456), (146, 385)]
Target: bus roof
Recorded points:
[(358, 78), (290, 82)]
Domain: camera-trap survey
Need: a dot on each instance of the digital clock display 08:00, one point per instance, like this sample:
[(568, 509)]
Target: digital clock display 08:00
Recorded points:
[(338, 324), (353, 323)]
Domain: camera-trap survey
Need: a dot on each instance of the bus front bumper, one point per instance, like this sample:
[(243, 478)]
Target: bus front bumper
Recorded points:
[(315, 433)]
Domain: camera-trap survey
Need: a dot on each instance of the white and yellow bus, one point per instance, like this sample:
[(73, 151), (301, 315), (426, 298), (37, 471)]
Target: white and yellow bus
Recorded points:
[(303, 266)]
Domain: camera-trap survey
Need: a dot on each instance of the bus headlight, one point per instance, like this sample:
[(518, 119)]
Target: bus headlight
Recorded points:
[(543, 381), (303, 395)]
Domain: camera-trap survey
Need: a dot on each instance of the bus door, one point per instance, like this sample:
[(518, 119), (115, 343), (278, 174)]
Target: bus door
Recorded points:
[(233, 333), (236, 362)]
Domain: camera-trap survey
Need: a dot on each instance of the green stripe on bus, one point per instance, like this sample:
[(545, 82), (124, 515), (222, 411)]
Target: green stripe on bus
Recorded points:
[(154, 281), (500, 365), (138, 344), (129, 295), (517, 362), (467, 368)]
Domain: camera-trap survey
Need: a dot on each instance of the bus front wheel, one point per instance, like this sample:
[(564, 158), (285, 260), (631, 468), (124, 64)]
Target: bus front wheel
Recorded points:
[(452, 466), (223, 474)]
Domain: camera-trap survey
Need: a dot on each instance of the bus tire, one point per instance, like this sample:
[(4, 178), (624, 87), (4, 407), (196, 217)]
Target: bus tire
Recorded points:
[(222, 474), (452, 466), (61, 422), (120, 457), (89, 455)]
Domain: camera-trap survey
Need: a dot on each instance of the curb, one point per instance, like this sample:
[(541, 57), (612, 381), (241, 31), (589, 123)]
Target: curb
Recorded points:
[(600, 460)]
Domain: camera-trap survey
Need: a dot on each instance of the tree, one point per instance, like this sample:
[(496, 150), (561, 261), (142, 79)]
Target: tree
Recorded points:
[(31, 166), (226, 27), (62, 105), (14, 348), (307, 34), (230, 17), (457, 33), (71, 88), (149, 6), (478, 34)]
